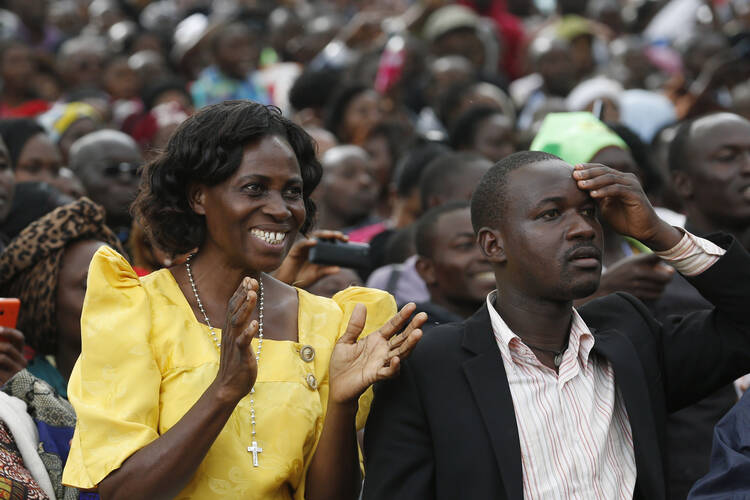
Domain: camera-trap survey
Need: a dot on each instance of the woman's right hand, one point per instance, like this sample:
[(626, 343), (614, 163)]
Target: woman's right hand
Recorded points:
[(238, 367)]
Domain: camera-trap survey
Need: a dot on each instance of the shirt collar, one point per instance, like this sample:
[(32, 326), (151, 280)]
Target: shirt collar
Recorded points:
[(581, 339)]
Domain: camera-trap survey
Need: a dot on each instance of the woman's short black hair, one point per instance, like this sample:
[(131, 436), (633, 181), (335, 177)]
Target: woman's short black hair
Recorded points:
[(207, 149)]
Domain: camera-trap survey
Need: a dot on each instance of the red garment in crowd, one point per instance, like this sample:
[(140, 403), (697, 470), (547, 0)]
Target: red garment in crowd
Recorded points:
[(511, 34), (141, 272), (29, 109), (366, 233)]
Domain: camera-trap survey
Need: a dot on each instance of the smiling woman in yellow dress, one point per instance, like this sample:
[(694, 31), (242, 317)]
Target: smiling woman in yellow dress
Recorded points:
[(211, 379)]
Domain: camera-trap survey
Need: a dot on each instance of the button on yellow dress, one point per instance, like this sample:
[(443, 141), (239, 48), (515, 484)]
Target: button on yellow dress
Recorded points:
[(145, 360)]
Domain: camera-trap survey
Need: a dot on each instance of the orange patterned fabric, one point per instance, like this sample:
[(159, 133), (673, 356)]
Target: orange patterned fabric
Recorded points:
[(16, 482)]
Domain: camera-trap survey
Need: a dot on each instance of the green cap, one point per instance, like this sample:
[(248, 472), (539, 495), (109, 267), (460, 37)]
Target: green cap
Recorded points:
[(575, 137)]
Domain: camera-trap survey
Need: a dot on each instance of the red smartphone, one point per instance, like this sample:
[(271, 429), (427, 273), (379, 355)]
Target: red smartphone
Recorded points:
[(9, 312)]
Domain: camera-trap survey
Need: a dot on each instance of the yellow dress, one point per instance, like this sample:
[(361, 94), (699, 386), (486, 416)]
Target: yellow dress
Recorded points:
[(145, 360)]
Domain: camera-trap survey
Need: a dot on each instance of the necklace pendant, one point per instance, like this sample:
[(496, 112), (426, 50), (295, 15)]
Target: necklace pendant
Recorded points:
[(255, 450), (558, 358)]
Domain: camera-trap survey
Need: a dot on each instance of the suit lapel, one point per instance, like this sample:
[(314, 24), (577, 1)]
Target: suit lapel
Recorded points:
[(489, 385), (630, 379)]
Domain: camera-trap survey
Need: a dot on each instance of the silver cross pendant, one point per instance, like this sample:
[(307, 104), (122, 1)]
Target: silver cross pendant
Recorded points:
[(254, 449)]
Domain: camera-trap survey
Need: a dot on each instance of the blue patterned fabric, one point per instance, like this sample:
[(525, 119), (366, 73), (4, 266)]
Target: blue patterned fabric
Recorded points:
[(212, 86)]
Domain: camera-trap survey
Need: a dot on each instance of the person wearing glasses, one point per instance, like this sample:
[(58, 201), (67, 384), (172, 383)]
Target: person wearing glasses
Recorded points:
[(210, 378), (107, 162)]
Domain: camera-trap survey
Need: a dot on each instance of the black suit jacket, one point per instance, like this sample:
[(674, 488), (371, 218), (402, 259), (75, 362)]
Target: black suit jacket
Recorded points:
[(446, 428), (689, 431)]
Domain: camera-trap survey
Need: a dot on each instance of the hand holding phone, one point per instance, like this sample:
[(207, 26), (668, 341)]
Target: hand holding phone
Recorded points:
[(337, 253), (298, 269), (9, 312), (11, 340)]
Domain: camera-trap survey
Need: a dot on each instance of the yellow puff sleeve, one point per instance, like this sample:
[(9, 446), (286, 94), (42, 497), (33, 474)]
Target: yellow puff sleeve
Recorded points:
[(114, 386), (381, 307)]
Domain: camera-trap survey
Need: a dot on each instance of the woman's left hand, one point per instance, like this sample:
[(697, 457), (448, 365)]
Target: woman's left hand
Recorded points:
[(357, 364)]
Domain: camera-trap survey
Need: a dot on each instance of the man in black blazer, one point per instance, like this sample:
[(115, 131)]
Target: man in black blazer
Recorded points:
[(449, 426)]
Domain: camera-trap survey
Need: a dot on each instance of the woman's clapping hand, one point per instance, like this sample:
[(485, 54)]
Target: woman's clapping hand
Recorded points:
[(238, 368), (357, 364)]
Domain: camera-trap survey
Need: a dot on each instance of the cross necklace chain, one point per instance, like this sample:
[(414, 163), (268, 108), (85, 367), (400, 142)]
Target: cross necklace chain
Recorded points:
[(558, 354), (253, 448)]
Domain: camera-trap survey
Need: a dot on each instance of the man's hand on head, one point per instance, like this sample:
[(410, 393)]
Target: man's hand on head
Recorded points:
[(624, 206)]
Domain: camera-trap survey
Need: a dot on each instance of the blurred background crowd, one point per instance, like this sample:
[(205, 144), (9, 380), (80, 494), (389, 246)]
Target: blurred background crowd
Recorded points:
[(410, 103)]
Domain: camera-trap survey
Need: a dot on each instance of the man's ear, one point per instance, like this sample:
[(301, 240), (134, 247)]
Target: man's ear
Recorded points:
[(683, 185), (491, 244), (426, 270), (196, 198)]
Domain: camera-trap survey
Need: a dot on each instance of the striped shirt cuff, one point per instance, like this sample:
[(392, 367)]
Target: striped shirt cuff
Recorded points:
[(692, 255)]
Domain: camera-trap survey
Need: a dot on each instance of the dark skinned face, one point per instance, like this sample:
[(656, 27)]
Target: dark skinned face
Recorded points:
[(237, 53), (382, 163), (458, 272), (720, 169), (40, 160), (349, 187), (549, 233), (253, 217), (85, 68), (71, 289), (17, 67), (558, 71), (494, 138), (108, 179), (361, 115)]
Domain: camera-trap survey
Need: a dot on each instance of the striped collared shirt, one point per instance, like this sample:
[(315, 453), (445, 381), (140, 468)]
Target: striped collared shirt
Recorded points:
[(573, 427)]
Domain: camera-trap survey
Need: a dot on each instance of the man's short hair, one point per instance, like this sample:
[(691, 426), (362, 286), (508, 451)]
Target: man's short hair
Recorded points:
[(678, 158), (444, 173), (490, 196), (426, 226)]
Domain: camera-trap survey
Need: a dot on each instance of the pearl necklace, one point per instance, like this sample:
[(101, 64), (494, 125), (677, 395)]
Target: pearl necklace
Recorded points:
[(253, 448)]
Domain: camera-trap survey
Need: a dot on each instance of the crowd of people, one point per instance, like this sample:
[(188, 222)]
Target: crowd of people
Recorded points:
[(545, 205)]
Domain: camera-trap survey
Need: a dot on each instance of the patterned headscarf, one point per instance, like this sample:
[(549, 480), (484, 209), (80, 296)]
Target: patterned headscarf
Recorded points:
[(61, 116), (30, 265)]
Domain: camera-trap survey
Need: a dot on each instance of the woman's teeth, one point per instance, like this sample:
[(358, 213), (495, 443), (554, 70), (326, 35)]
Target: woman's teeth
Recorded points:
[(270, 237)]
